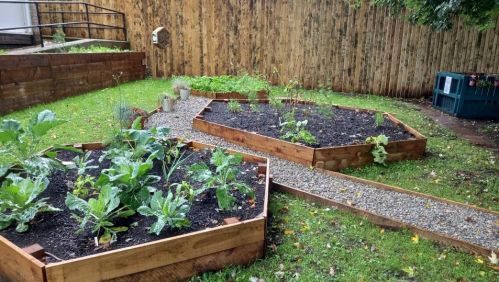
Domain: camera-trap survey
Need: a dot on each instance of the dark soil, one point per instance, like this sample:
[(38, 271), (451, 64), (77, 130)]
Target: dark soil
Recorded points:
[(345, 127), (56, 231)]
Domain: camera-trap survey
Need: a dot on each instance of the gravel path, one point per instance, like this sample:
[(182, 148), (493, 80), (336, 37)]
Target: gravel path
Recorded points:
[(466, 224)]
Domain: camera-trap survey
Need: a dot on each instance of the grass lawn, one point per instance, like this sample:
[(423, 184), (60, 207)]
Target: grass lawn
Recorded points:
[(310, 243)]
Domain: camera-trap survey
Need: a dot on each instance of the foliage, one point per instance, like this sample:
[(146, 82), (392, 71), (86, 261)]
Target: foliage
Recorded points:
[(179, 84), (227, 83), (276, 103), (3, 52), (295, 130), (82, 163), (133, 178), (170, 211), (21, 143), (82, 186), (379, 153), (234, 106), (100, 213), (224, 179), (123, 113), (95, 49), (172, 163), (440, 14), (379, 119), (325, 109), (59, 36), (18, 201), (186, 190)]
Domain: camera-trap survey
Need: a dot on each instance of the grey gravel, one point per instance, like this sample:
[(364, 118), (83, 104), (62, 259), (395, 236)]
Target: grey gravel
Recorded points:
[(452, 220)]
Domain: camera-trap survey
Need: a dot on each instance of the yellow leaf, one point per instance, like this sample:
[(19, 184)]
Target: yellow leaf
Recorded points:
[(415, 239), (289, 232), (482, 273), (382, 231), (479, 260), (493, 258)]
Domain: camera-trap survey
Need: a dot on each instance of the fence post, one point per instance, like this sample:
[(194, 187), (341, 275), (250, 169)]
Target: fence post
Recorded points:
[(39, 24), (88, 20)]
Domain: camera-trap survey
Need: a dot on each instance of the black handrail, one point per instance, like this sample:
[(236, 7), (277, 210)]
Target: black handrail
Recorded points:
[(88, 24)]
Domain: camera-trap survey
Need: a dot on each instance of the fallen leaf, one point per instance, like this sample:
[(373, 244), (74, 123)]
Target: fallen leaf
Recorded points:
[(479, 260), (289, 232), (279, 274), (382, 230), (493, 258), (410, 271), (332, 271), (415, 239), (482, 273)]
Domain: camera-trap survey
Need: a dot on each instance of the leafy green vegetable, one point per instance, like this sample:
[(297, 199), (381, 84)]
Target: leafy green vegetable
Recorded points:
[(223, 179), (170, 211), (226, 83), (379, 153), (133, 178), (186, 190), (379, 119), (295, 130), (100, 212), (21, 143), (82, 163), (18, 201)]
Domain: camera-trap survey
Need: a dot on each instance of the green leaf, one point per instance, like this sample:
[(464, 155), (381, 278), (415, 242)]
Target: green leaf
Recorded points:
[(10, 130), (44, 121), (157, 226), (225, 200)]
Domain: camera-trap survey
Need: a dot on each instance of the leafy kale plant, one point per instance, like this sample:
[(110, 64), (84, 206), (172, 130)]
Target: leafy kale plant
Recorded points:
[(170, 211), (234, 106), (20, 144), (99, 213), (379, 153), (224, 179), (133, 178), (295, 130), (19, 203)]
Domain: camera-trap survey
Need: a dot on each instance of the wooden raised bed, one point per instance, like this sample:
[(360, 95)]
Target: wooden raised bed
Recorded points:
[(171, 259), (262, 94), (330, 158)]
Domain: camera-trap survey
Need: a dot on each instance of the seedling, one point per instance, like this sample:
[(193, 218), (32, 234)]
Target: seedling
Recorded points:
[(18, 201), (170, 211), (379, 119), (295, 130), (234, 106), (100, 213), (379, 153), (223, 180)]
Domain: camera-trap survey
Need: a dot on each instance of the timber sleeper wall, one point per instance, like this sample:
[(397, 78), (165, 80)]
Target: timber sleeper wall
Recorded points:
[(171, 259), (262, 94), (28, 80), (329, 158)]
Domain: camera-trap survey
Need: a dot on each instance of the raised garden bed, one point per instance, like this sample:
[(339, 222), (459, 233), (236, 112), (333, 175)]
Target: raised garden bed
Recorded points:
[(340, 138), (227, 86), (215, 238)]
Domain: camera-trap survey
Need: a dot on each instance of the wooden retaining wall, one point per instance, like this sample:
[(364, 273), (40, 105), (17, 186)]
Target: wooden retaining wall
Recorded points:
[(328, 43), (27, 80)]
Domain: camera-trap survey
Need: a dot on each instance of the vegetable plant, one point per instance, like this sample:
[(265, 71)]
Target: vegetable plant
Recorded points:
[(379, 119), (186, 190), (295, 130), (133, 178), (20, 143), (99, 213), (234, 106), (224, 179), (169, 211), (379, 153), (276, 103), (82, 186), (19, 203), (226, 83), (82, 163)]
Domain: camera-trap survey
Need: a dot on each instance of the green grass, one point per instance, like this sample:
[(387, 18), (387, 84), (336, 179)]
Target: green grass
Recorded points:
[(91, 116), (227, 83), (2, 52), (95, 49), (307, 242)]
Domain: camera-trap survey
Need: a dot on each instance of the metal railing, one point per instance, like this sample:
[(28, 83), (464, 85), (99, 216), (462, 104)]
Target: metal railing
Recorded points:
[(87, 24)]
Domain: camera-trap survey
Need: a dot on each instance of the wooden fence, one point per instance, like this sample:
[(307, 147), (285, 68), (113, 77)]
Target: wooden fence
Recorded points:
[(320, 43), (27, 80)]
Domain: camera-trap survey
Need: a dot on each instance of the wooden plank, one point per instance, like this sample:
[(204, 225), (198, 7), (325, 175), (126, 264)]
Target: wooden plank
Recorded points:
[(383, 221), (17, 265), (182, 271), (156, 254)]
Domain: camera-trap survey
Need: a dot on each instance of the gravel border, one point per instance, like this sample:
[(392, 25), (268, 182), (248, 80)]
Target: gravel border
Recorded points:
[(456, 221)]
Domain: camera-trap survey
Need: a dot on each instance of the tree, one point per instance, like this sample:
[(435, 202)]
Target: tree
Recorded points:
[(439, 14)]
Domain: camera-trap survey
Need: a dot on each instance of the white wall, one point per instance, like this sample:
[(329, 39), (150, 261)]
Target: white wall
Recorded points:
[(14, 15)]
